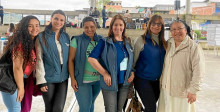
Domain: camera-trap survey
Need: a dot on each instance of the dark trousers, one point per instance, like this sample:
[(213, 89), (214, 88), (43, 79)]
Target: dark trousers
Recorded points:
[(148, 91), (55, 96), (146, 20), (1, 15)]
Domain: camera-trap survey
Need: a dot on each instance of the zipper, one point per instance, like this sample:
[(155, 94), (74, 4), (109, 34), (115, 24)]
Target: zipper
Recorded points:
[(115, 68)]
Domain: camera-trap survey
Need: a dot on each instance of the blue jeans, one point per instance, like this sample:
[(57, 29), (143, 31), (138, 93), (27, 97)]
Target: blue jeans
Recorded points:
[(114, 100), (10, 102), (146, 20), (103, 24), (86, 96)]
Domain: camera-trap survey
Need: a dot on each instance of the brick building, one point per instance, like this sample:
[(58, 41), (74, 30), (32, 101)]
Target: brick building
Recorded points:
[(205, 10)]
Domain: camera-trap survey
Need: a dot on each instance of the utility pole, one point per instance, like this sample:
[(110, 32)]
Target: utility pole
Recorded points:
[(188, 16), (177, 7)]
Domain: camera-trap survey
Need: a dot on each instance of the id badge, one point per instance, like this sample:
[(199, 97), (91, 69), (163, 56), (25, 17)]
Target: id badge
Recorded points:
[(124, 64)]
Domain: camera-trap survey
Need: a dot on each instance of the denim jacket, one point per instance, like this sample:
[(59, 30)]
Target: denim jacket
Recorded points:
[(109, 62), (80, 58)]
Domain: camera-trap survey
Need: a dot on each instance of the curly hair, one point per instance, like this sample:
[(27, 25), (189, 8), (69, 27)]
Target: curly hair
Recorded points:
[(21, 39)]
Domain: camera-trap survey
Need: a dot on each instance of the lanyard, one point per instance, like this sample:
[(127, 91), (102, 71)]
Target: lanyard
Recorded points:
[(122, 49), (93, 44)]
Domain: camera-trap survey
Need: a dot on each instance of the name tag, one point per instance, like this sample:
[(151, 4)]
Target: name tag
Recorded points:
[(124, 64)]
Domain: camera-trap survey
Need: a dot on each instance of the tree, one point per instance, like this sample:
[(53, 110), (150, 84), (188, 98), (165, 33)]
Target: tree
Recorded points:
[(100, 3)]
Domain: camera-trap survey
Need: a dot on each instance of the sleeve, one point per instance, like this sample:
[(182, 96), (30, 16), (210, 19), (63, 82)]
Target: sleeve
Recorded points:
[(138, 47), (73, 43), (97, 51), (198, 69), (40, 71)]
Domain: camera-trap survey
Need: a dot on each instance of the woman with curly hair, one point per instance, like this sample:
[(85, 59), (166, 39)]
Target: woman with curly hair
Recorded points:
[(21, 45)]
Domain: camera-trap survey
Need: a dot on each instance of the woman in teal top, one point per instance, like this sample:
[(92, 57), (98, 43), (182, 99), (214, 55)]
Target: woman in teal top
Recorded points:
[(84, 78)]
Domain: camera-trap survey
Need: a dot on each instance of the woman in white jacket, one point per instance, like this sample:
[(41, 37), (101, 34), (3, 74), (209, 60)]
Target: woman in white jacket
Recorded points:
[(182, 74)]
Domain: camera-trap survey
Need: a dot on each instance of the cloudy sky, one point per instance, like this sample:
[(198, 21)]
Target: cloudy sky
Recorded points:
[(76, 4)]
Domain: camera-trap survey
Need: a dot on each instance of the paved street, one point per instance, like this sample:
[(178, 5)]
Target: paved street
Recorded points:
[(208, 98)]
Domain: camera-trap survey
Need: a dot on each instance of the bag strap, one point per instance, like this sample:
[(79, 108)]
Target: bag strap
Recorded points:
[(136, 98)]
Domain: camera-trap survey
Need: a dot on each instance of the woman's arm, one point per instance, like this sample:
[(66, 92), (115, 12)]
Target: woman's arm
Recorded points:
[(18, 75), (198, 70), (96, 65), (40, 71), (72, 53), (96, 54), (138, 47)]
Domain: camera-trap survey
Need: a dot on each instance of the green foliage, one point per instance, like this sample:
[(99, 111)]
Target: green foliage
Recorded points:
[(157, 13), (199, 35), (202, 38), (198, 32), (101, 3)]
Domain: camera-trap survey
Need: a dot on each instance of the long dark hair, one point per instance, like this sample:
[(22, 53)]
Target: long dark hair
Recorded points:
[(22, 37), (162, 41), (11, 27), (50, 25), (58, 12), (110, 31)]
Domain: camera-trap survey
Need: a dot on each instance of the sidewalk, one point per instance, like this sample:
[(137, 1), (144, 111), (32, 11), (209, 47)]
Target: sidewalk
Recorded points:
[(208, 99)]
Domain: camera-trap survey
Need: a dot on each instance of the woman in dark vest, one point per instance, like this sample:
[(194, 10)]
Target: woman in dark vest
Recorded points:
[(84, 78), (52, 62)]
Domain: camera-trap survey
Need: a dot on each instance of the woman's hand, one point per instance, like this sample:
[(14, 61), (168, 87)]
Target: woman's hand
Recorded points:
[(74, 85), (44, 89), (131, 78), (191, 98), (107, 79), (20, 94)]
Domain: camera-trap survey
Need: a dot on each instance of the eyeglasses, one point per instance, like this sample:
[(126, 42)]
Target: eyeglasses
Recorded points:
[(178, 29), (154, 24)]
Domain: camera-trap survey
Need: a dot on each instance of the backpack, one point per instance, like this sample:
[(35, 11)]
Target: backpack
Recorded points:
[(7, 82)]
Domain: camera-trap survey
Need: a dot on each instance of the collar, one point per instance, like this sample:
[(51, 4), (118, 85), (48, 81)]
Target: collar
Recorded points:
[(95, 37), (182, 45)]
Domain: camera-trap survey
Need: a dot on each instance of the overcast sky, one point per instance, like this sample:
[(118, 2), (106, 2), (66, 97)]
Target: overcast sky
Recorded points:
[(76, 4)]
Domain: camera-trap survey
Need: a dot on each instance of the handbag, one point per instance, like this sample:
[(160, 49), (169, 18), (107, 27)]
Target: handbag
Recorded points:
[(7, 81), (135, 105)]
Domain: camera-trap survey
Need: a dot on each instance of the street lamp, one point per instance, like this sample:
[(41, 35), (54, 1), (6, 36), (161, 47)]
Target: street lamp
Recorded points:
[(177, 7)]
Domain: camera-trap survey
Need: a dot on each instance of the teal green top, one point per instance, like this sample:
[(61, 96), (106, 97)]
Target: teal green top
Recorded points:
[(90, 74)]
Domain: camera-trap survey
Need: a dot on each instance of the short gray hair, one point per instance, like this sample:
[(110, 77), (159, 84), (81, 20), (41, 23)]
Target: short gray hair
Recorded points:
[(87, 19)]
